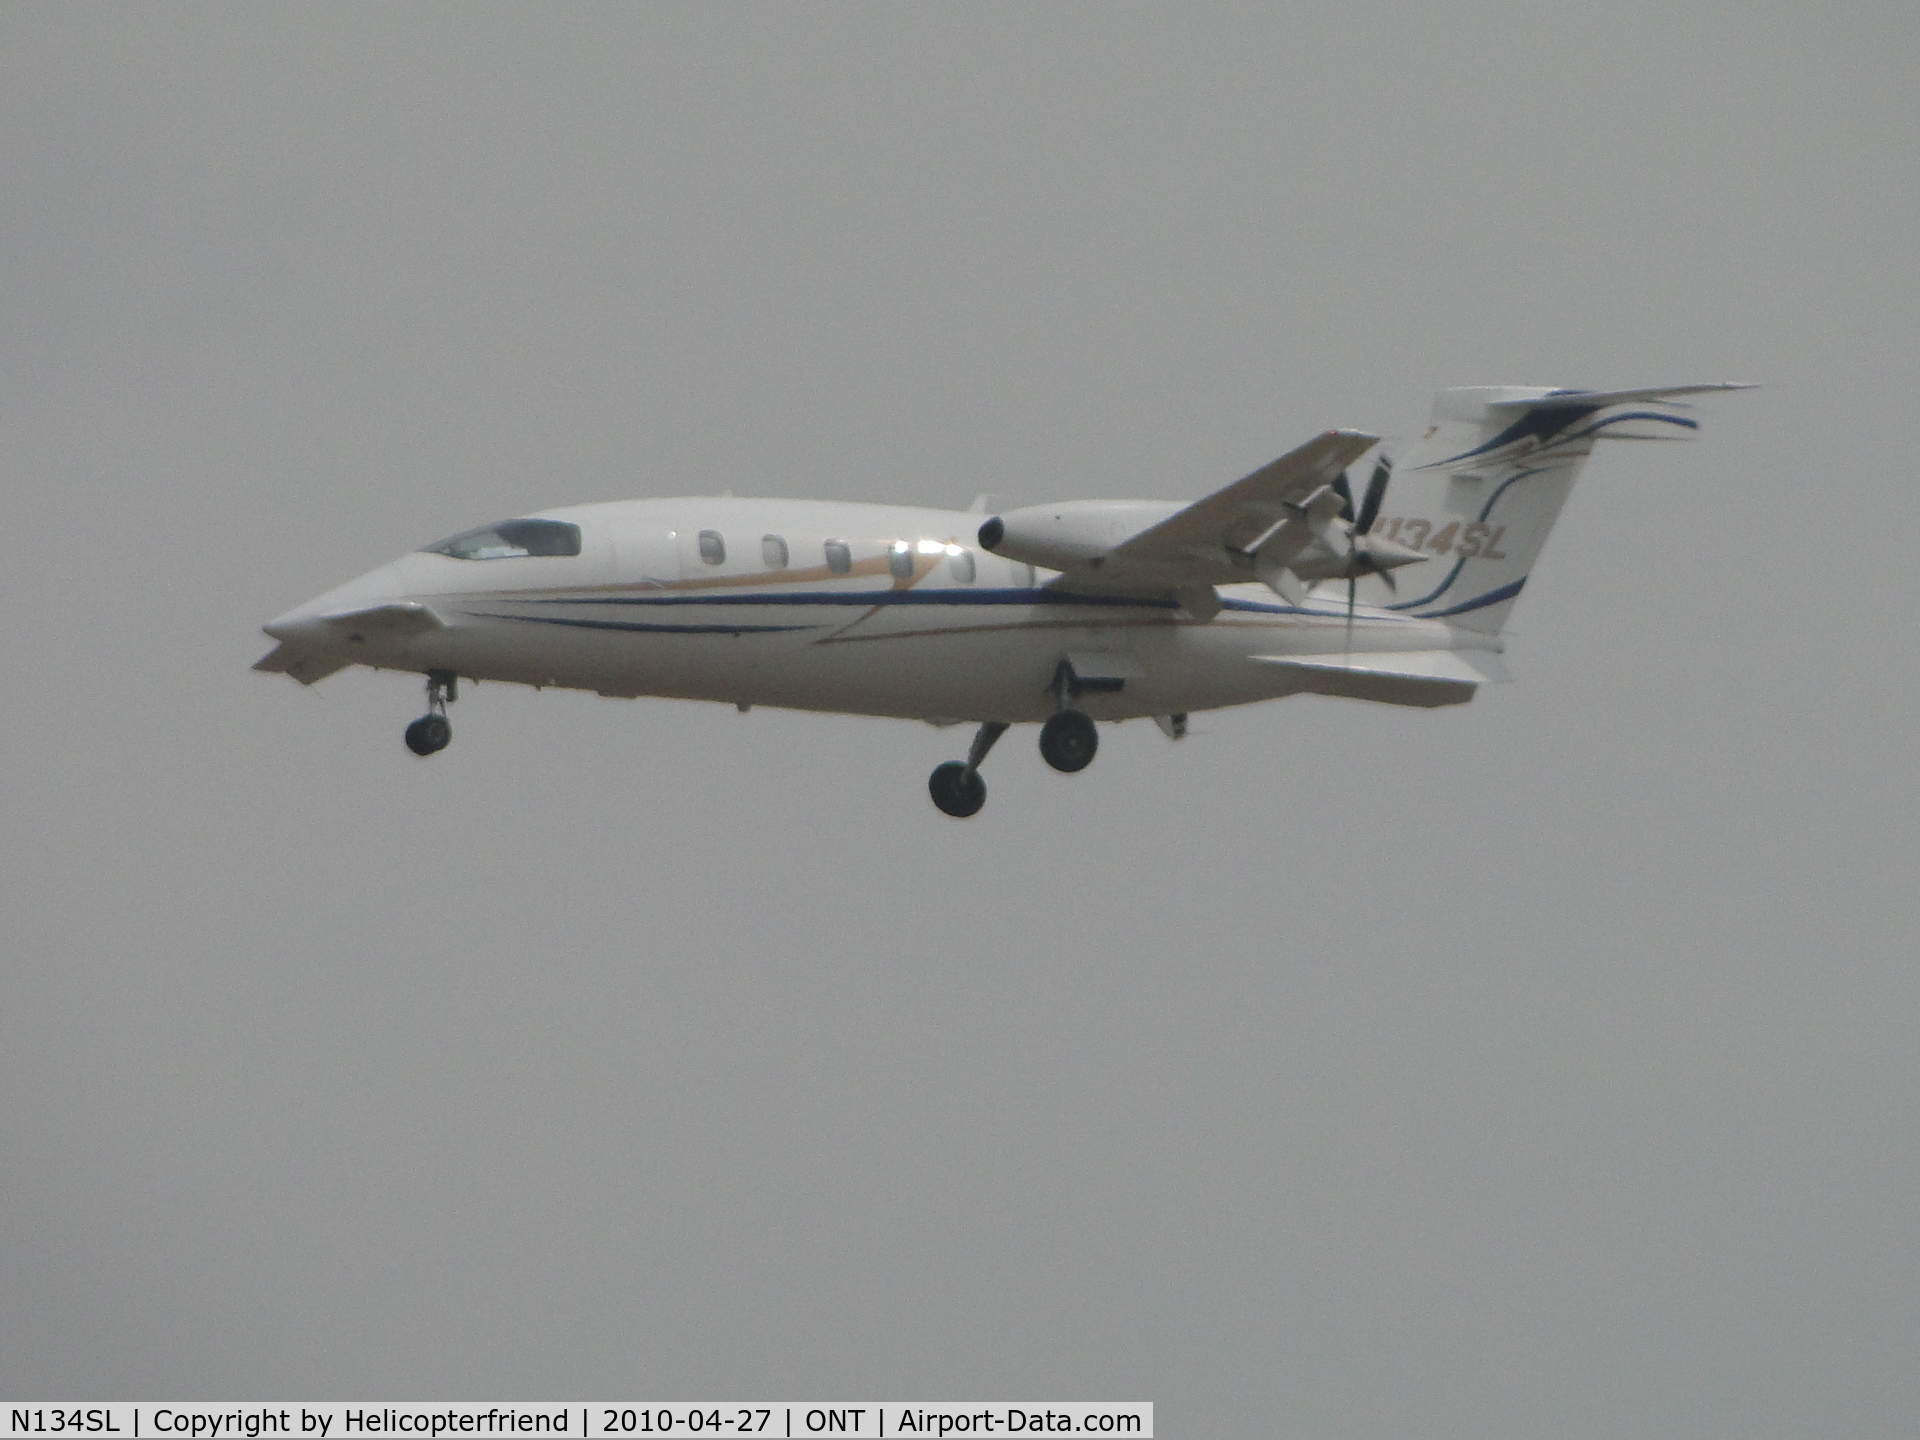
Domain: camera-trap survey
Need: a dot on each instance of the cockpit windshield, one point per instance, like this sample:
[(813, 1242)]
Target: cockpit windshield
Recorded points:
[(510, 538)]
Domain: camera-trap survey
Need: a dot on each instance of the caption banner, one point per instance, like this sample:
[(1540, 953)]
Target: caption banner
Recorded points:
[(574, 1420)]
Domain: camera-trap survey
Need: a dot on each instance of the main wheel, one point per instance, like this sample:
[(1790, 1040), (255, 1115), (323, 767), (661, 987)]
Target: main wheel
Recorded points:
[(428, 734), (955, 791), (1068, 740)]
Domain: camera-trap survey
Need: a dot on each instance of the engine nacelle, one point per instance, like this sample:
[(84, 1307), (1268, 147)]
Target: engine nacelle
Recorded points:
[(1073, 532)]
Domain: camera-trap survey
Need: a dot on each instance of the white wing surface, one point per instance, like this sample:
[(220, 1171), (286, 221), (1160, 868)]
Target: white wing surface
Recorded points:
[(306, 648), (1418, 677), (1210, 542)]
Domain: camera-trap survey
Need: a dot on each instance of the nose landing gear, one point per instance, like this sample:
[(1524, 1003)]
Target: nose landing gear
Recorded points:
[(432, 733), (956, 787), (957, 791)]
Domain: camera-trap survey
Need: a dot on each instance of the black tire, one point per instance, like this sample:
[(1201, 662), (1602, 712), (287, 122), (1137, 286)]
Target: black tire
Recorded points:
[(957, 793), (1068, 741), (429, 734)]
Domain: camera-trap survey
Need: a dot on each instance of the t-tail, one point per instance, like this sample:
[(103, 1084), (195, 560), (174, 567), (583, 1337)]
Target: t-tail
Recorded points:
[(1479, 491)]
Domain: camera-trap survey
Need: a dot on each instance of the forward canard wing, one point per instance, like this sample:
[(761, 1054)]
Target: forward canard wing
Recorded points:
[(390, 621), (310, 647), (308, 666)]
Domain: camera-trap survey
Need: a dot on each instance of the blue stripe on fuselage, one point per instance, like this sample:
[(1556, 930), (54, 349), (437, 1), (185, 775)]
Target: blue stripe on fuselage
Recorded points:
[(871, 597), (878, 598), (643, 626)]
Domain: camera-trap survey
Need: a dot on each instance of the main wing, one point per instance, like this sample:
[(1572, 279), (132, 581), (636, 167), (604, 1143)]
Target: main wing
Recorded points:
[(1212, 540)]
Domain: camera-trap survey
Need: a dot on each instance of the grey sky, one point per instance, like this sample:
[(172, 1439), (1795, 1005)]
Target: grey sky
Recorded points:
[(1545, 1066)]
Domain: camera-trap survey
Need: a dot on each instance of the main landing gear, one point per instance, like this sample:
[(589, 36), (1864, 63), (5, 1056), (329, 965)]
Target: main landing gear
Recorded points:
[(1068, 742), (431, 733)]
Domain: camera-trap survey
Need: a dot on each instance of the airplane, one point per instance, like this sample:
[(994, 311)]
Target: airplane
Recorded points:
[(1061, 615)]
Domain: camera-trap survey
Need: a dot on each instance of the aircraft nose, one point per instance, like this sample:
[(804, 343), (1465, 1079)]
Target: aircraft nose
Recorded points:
[(308, 621)]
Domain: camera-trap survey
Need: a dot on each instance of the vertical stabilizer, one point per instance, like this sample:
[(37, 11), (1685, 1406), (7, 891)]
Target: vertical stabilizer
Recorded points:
[(1479, 491)]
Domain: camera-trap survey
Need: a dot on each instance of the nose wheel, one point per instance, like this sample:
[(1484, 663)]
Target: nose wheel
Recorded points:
[(428, 734), (956, 787), (956, 790), (432, 733)]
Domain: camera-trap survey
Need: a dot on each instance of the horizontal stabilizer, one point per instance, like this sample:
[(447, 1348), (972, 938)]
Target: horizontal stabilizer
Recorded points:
[(1404, 677), (1616, 397), (1542, 413)]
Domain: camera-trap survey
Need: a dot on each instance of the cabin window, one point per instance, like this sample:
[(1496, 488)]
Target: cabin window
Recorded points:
[(900, 560), (839, 557), (960, 562), (713, 549), (773, 550), (512, 538)]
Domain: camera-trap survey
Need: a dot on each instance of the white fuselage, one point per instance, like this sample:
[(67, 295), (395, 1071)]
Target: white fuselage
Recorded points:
[(912, 618)]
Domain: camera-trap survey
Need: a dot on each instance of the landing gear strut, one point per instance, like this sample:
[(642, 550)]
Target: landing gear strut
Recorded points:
[(431, 732), (957, 788), (1068, 740)]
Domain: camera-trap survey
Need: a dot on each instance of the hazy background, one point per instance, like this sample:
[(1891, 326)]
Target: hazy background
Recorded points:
[(1541, 1067)]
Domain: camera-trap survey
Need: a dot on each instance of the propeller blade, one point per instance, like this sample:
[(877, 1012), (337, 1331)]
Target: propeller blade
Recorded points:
[(1345, 492), (1376, 492)]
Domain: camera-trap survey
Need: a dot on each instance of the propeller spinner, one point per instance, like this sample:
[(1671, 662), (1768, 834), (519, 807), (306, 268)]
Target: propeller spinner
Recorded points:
[(1372, 554), (1333, 551)]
